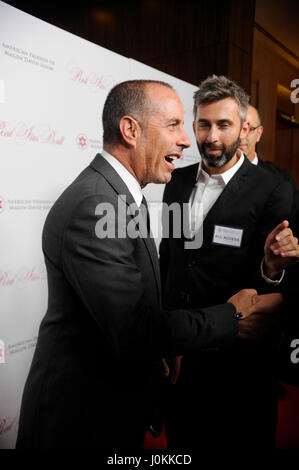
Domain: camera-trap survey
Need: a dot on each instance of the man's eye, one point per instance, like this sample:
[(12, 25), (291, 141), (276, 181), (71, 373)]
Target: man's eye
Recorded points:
[(223, 126), (202, 126)]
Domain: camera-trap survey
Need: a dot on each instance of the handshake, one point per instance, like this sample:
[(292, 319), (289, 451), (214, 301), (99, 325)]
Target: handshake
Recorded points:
[(257, 312), (247, 302), (281, 251)]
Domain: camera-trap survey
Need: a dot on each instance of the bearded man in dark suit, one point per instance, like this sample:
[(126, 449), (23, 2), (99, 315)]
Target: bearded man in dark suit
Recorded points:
[(233, 206)]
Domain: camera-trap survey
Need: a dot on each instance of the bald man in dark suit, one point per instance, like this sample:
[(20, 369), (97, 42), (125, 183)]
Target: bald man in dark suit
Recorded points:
[(248, 146), (94, 379)]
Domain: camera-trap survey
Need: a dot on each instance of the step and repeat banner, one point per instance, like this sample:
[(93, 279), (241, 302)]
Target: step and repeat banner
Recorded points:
[(52, 89)]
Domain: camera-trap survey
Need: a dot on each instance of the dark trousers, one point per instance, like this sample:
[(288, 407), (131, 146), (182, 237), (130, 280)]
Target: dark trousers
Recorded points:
[(222, 404)]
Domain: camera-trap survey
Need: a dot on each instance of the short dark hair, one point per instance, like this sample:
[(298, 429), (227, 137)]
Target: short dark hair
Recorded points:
[(216, 88), (126, 98)]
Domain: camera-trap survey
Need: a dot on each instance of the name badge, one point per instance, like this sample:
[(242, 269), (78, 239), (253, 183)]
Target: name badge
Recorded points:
[(227, 236)]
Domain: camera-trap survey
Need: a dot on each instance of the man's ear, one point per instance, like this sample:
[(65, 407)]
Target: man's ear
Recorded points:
[(129, 130), (259, 133), (245, 130)]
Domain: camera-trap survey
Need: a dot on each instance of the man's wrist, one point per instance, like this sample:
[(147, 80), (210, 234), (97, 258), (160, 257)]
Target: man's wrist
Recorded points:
[(270, 275)]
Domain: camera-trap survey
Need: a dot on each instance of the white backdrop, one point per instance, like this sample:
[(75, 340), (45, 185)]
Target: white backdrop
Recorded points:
[(52, 89)]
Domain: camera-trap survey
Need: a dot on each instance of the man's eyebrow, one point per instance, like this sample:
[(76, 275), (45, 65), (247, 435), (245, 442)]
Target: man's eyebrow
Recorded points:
[(223, 121), (220, 121), (175, 120)]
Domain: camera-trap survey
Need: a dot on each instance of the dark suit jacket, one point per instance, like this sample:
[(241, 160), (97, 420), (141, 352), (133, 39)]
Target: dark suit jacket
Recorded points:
[(255, 201), (93, 375), (288, 370), (236, 381), (276, 170), (289, 284), (286, 175)]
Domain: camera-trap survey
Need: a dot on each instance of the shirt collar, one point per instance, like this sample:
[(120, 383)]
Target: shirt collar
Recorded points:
[(129, 180), (255, 160), (227, 175)]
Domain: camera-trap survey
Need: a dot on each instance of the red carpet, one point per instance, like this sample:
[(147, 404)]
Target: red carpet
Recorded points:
[(287, 436), (155, 442)]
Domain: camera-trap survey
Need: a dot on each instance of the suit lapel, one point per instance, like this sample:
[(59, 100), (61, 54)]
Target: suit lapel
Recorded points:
[(230, 192), (147, 236), (188, 183), (260, 163), (183, 188), (102, 166)]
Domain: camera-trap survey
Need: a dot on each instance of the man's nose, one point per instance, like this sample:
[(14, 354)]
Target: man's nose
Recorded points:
[(213, 134), (184, 140)]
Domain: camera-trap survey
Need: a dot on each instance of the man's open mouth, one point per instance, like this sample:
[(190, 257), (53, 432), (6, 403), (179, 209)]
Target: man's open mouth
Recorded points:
[(171, 158)]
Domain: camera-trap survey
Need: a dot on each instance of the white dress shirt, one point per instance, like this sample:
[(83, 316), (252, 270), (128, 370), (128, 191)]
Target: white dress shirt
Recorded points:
[(206, 192), (129, 180)]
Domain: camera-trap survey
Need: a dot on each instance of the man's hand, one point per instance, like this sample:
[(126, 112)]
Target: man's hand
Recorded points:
[(261, 322), (259, 314), (244, 302), (268, 303), (281, 250), (171, 368)]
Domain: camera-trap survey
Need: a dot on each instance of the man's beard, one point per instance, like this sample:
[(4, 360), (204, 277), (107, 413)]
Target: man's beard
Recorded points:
[(226, 155)]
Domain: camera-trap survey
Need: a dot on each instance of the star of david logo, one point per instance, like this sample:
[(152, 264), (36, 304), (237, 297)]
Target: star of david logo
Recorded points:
[(82, 141)]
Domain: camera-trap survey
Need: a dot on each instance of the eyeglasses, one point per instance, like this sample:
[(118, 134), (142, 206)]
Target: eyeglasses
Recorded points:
[(252, 129)]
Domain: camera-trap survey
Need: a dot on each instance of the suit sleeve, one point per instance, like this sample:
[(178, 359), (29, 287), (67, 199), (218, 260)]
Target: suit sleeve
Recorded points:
[(290, 179), (289, 287), (277, 209), (104, 273)]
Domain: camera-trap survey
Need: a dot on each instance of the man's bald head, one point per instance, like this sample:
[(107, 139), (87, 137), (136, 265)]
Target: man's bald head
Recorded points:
[(248, 144)]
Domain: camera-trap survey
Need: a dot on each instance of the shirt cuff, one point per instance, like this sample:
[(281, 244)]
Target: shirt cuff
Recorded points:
[(267, 279)]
